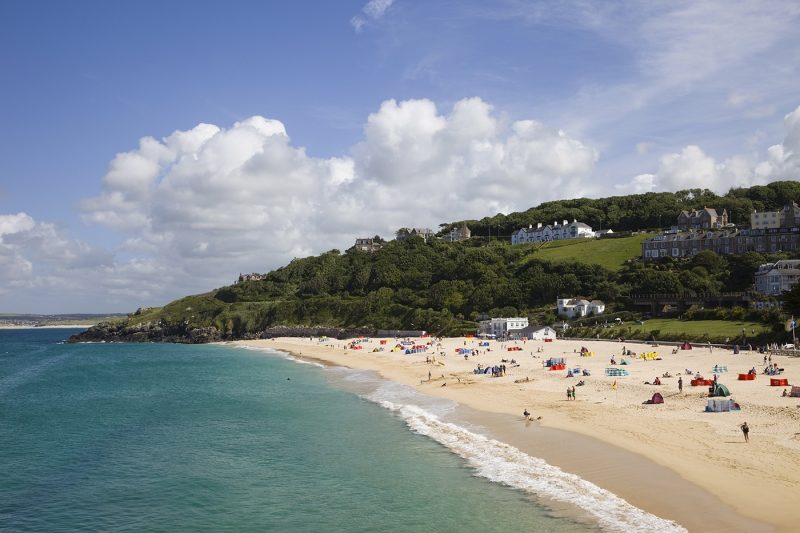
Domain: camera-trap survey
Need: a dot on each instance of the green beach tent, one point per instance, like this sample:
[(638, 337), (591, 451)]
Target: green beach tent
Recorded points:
[(720, 390)]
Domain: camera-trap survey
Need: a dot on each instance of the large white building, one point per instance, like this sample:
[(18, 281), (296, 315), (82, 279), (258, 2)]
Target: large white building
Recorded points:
[(556, 232), (576, 308), (502, 327), (787, 217), (772, 279)]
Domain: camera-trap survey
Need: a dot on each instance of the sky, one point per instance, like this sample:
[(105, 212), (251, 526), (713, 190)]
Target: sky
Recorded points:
[(150, 150)]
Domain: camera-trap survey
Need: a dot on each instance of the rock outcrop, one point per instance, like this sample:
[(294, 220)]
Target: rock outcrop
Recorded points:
[(147, 332)]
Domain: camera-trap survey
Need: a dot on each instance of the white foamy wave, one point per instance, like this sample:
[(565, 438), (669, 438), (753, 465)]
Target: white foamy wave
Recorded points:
[(502, 463), (287, 356), (399, 394), (302, 361)]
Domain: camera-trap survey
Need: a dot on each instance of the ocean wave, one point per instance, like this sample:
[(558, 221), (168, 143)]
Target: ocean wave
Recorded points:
[(285, 355), (505, 464)]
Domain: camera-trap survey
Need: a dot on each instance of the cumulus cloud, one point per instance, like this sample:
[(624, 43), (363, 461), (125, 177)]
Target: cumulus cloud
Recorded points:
[(207, 203), (38, 257), (693, 168)]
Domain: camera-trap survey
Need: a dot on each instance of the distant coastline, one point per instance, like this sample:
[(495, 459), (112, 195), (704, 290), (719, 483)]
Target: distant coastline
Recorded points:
[(45, 326)]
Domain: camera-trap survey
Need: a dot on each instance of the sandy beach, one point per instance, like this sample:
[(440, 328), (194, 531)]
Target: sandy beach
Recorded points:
[(759, 479)]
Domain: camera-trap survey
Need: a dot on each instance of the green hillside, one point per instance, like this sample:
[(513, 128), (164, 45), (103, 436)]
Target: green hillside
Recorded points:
[(445, 287), (608, 253)]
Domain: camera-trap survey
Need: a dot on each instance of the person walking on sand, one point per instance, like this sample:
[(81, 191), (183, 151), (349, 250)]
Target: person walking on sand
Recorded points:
[(526, 414), (745, 432), (573, 392), (569, 393), (429, 375), (680, 384)]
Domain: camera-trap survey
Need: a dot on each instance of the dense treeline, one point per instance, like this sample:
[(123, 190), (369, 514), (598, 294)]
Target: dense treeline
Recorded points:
[(444, 287), (640, 211)]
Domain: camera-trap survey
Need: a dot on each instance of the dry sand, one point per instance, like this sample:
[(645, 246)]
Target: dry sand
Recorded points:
[(760, 480)]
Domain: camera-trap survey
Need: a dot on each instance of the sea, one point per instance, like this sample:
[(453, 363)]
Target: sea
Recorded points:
[(164, 437)]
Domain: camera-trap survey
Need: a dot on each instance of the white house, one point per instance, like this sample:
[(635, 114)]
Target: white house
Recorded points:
[(556, 232), (534, 333), (502, 327), (572, 307), (461, 233), (772, 279)]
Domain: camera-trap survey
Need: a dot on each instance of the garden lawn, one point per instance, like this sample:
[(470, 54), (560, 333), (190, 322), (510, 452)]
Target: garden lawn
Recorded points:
[(713, 328)]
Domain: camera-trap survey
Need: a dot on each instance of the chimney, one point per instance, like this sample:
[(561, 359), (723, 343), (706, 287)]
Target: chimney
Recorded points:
[(538, 225), (530, 226), (565, 222), (555, 222)]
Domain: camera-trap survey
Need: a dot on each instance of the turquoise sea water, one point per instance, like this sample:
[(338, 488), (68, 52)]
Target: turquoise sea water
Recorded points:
[(159, 437)]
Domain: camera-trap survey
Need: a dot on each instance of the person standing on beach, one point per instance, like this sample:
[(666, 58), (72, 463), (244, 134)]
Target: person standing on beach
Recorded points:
[(569, 393), (680, 384), (573, 392), (746, 431)]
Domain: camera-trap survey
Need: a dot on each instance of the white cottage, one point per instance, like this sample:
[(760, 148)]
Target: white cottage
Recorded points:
[(578, 307)]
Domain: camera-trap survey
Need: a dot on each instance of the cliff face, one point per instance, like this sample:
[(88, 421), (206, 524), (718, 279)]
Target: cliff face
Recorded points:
[(147, 332)]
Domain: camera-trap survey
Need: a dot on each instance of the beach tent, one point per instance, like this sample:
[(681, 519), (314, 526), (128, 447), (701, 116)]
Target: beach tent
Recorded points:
[(686, 346), (657, 398), (720, 390), (722, 406)]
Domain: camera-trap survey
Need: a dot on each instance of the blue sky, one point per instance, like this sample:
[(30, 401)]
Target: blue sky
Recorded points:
[(329, 120)]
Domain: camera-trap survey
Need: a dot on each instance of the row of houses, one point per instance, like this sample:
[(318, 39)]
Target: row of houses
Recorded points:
[(554, 232), (373, 244), (722, 242)]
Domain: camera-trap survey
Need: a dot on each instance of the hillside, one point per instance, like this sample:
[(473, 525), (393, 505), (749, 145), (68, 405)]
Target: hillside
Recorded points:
[(445, 287), (607, 253)]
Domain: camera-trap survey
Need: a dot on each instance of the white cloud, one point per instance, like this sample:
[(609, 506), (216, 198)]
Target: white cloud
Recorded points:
[(783, 160), (374, 10), (200, 206), (693, 168)]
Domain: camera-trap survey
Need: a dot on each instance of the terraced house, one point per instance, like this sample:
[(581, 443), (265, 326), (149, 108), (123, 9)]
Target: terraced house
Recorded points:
[(723, 242), (556, 232)]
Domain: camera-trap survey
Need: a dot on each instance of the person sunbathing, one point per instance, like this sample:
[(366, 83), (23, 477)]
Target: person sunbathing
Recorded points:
[(657, 381)]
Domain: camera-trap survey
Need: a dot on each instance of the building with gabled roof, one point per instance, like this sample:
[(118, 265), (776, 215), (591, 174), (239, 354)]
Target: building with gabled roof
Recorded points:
[(773, 279), (706, 218)]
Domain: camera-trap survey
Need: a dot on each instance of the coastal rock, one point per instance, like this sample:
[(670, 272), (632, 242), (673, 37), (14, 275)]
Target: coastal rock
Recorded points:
[(147, 332)]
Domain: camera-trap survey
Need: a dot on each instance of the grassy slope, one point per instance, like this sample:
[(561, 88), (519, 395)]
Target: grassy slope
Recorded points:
[(608, 253), (714, 328)]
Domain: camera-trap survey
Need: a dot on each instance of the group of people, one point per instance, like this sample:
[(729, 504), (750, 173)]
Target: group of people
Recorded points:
[(571, 393)]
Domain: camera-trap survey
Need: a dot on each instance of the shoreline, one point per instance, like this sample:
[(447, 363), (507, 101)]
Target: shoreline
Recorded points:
[(47, 326), (701, 448)]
